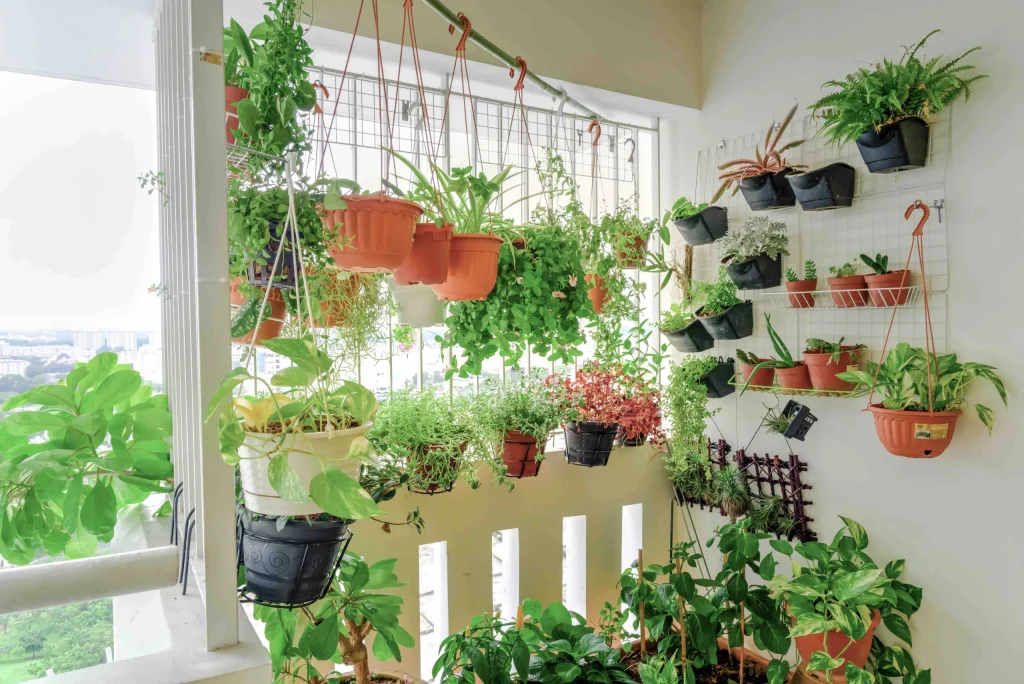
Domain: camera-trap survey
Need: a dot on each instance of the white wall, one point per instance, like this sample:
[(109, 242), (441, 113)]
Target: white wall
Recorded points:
[(955, 518)]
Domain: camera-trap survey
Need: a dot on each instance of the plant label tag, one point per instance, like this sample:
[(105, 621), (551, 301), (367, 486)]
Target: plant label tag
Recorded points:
[(852, 368), (931, 431)]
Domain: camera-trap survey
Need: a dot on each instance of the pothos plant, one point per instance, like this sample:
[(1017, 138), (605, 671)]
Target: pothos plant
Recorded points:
[(75, 453), (686, 408)]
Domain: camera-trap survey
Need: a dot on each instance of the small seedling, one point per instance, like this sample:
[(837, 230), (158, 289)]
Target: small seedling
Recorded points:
[(880, 264)]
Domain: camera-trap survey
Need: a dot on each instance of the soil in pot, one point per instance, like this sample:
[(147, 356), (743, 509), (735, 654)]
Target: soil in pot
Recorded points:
[(914, 434), (823, 369), (717, 380), (232, 96), (270, 327), (768, 191), (798, 289), (704, 227), (829, 187), (888, 289), (764, 377), (635, 256), (378, 677), (519, 454), (896, 147), (848, 292), (734, 324), (693, 338), (589, 444), (597, 292), (375, 232), (427, 263), (758, 273), (727, 671), (472, 268), (838, 643), (795, 378)]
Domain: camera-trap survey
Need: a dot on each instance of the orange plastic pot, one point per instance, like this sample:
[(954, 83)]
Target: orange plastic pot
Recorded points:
[(375, 232), (597, 292), (272, 323), (914, 434), (888, 289), (232, 96), (798, 300), (823, 370), (635, 257), (848, 292), (472, 268), (839, 646), (234, 294), (796, 378), (428, 261), (519, 454), (339, 294), (764, 377)]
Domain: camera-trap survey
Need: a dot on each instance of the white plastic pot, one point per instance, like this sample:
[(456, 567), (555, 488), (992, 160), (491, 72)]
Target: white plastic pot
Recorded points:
[(313, 451), (418, 306)]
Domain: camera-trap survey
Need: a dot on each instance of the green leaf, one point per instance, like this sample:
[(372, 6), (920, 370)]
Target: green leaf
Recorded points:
[(849, 622), (302, 352), (232, 380), (117, 387), (855, 675), (777, 671), (284, 480), (44, 395), (98, 514), (860, 536), (556, 614), (293, 376), (808, 623), (894, 569), (736, 588), (72, 504), (767, 568), (25, 423), (322, 639), (341, 496), (782, 546), (82, 545), (568, 671), (823, 661), (775, 637), (898, 626), (249, 117), (852, 585)]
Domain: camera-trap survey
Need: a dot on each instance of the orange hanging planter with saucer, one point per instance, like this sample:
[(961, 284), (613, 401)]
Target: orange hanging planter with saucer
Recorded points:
[(427, 263), (914, 434), (375, 232), (472, 268), (273, 319), (597, 292)]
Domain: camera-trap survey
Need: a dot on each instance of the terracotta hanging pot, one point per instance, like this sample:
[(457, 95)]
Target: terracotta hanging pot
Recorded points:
[(424, 472), (232, 96), (797, 288), (888, 289), (472, 268), (823, 370), (234, 294), (795, 378), (633, 258), (597, 292), (428, 261), (338, 294), (839, 645), (375, 232), (914, 434), (764, 377), (519, 454), (273, 320), (848, 292)]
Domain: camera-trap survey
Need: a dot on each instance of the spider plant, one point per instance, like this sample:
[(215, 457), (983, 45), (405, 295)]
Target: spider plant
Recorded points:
[(771, 161)]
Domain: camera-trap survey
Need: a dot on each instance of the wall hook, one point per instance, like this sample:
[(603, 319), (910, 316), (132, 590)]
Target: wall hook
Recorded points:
[(939, 205)]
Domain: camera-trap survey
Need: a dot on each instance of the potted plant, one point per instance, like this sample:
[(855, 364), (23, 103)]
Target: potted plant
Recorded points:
[(592, 404), (838, 598), (717, 380), (628, 235), (885, 109), (723, 315), (641, 416), (763, 179), (239, 60), (792, 375), (752, 254), (304, 644), (489, 650), (74, 453), (804, 288), (886, 288), (418, 306), (427, 263), (848, 288), (565, 649), (685, 331), (699, 224), (922, 398), (829, 187), (826, 360), (247, 323), (686, 408), (764, 376), (332, 295), (516, 419)]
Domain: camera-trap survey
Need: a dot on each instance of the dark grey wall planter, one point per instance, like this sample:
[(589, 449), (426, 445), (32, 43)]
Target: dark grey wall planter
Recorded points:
[(717, 379), (829, 187), (897, 147), (589, 444), (704, 227), (692, 338), (758, 273), (768, 191), (734, 324)]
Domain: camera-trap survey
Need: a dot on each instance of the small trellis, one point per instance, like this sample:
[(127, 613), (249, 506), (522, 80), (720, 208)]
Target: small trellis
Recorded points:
[(771, 476)]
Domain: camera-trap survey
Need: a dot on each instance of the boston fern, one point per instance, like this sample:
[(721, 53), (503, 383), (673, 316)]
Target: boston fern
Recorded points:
[(869, 99)]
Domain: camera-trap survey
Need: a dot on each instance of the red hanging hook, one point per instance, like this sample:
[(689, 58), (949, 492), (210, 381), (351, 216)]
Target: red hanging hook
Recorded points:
[(522, 74), (918, 204), (590, 129), (467, 28)]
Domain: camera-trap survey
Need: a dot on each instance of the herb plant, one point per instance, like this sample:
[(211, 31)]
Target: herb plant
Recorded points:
[(759, 235), (847, 270), (675, 317), (880, 264), (525, 406), (718, 297), (684, 208), (771, 161)]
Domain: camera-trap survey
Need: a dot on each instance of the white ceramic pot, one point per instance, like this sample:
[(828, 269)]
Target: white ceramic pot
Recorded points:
[(319, 449), (418, 306)]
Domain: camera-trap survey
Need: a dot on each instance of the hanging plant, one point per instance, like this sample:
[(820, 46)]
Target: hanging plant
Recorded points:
[(753, 254), (686, 408), (699, 224), (641, 419), (723, 315), (515, 419), (593, 404), (240, 55)]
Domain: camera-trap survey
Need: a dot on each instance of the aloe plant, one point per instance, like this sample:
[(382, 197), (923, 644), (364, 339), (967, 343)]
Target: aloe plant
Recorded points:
[(785, 359)]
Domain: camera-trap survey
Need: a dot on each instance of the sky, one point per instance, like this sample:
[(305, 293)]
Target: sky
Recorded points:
[(78, 237)]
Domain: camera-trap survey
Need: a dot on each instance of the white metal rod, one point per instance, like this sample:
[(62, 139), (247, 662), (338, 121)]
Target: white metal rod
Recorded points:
[(57, 584)]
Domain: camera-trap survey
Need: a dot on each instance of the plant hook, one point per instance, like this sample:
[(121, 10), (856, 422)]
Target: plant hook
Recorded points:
[(918, 204), (590, 129), (467, 28), (522, 74)]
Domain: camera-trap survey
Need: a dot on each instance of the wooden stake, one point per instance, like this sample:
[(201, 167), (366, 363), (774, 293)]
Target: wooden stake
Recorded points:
[(640, 577), (682, 616), (743, 632)]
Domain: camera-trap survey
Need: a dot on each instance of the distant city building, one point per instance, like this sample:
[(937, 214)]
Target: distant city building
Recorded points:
[(114, 339), (89, 339), (13, 366)]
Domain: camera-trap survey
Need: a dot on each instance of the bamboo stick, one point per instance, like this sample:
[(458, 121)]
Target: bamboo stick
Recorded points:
[(640, 577)]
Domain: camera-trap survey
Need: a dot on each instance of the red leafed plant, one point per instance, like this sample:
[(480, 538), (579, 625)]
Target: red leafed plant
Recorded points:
[(642, 414), (594, 395), (771, 162)]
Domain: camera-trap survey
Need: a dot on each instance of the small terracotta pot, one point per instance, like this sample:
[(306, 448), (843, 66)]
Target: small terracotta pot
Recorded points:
[(597, 292), (795, 378), (801, 301), (519, 454), (632, 260), (428, 261), (234, 294), (472, 268), (375, 231), (848, 292), (888, 289), (232, 96), (764, 377), (838, 643), (823, 370), (272, 323), (914, 434)]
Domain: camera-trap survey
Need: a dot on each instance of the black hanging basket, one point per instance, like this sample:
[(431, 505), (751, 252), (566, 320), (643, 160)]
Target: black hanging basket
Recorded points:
[(768, 191), (717, 379), (829, 187), (693, 338), (802, 421), (704, 227), (897, 147), (265, 275), (758, 273), (734, 324), (291, 567), (589, 444)]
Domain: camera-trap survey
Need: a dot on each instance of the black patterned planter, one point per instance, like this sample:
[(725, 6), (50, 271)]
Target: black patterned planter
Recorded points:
[(768, 191), (734, 324), (717, 379), (758, 273), (265, 274), (704, 227), (829, 187), (589, 444), (897, 147), (691, 339)]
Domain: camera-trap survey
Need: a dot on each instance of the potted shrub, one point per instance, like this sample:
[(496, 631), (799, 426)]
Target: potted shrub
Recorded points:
[(763, 179), (699, 224), (246, 322), (792, 375), (764, 376), (516, 419), (592, 404), (723, 315), (641, 416), (826, 360), (829, 187), (838, 599), (753, 254), (803, 288), (886, 288), (885, 109), (848, 288), (427, 263), (74, 453), (919, 411), (685, 331)]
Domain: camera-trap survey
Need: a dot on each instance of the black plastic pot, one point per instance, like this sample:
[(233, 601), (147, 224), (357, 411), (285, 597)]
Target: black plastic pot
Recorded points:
[(768, 191), (758, 273), (589, 444), (692, 338), (622, 440), (265, 275), (802, 421), (717, 379), (829, 187), (734, 324), (703, 227), (290, 567), (897, 147)]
